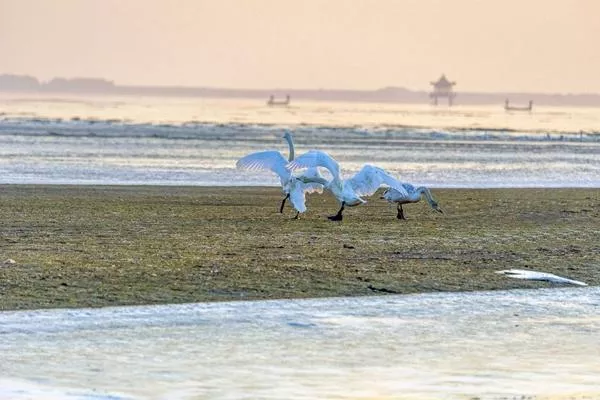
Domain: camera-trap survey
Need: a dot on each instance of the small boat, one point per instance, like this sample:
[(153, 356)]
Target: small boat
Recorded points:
[(508, 107), (273, 102)]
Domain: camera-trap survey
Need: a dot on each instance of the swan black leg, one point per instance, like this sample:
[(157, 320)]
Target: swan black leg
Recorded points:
[(283, 203), (400, 212), (297, 215), (338, 216)]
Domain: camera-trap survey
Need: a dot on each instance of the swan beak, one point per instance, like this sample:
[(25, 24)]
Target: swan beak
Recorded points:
[(382, 198), (439, 210)]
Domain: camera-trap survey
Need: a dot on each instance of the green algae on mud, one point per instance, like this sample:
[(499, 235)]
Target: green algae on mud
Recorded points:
[(91, 246)]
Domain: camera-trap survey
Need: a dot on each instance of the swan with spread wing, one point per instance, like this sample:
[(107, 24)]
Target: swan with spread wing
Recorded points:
[(348, 192), (293, 188)]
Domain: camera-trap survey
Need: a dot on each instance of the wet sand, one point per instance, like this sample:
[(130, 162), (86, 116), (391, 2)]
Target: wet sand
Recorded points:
[(92, 246)]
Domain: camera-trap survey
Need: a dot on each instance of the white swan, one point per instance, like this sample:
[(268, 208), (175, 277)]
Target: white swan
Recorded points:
[(294, 189), (413, 196), (348, 192), (538, 276)]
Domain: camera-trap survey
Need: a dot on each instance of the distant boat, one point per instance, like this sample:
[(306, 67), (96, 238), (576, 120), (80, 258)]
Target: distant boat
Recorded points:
[(273, 102), (508, 107)]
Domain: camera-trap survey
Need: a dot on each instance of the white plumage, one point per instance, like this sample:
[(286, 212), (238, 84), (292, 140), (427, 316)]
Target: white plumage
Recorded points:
[(370, 178), (348, 192), (271, 160), (293, 188)]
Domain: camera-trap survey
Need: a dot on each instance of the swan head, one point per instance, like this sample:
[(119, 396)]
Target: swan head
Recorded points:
[(287, 135), (384, 195), (432, 202), (436, 206)]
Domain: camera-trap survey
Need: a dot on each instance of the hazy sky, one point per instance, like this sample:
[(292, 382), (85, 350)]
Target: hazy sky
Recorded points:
[(484, 45)]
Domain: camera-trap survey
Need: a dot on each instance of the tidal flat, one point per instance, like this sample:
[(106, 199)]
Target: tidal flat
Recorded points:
[(94, 246)]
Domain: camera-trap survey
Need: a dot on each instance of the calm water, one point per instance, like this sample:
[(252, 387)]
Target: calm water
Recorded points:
[(172, 141), (491, 345)]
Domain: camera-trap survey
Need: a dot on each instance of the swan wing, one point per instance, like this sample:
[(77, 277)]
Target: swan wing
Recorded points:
[(270, 159), (408, 187), (370, 178), (298, 195), (392, 194), (316, 158)]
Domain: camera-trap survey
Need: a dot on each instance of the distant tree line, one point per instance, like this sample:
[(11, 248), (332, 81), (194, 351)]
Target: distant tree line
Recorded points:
[(25, 83)]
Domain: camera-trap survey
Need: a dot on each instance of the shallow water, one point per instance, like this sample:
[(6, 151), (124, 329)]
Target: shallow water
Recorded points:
[(104, 140), (185, 110), (502, 344)]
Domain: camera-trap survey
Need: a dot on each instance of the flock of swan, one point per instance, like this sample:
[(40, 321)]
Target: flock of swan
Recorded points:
[(349, 192)]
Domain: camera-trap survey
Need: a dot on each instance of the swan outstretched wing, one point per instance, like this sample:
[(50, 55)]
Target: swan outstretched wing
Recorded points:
[(370, 178), (270, 159), (316, 158)]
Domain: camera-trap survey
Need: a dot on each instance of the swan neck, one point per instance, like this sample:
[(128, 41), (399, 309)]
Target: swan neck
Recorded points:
[(320, 181), (313, 179), (425, 191), (291, 148)]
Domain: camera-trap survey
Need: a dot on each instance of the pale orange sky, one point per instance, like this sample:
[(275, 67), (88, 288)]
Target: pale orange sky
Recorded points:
[(484, 45)]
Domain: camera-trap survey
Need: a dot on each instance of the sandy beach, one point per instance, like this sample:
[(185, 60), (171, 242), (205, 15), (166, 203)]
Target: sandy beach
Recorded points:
[(93, 246)]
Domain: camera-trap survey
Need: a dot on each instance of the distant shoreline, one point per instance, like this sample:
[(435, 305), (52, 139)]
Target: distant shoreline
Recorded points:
[(391, 94)]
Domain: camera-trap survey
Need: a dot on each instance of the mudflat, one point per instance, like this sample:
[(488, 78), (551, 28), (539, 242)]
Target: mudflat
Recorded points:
[(92, 246)]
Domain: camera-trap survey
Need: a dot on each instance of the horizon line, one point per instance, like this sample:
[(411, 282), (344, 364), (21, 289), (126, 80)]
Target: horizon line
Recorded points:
[(261, 89)]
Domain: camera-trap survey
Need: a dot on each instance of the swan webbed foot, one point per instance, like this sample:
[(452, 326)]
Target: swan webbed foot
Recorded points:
[(336, 217), (297, 215)]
